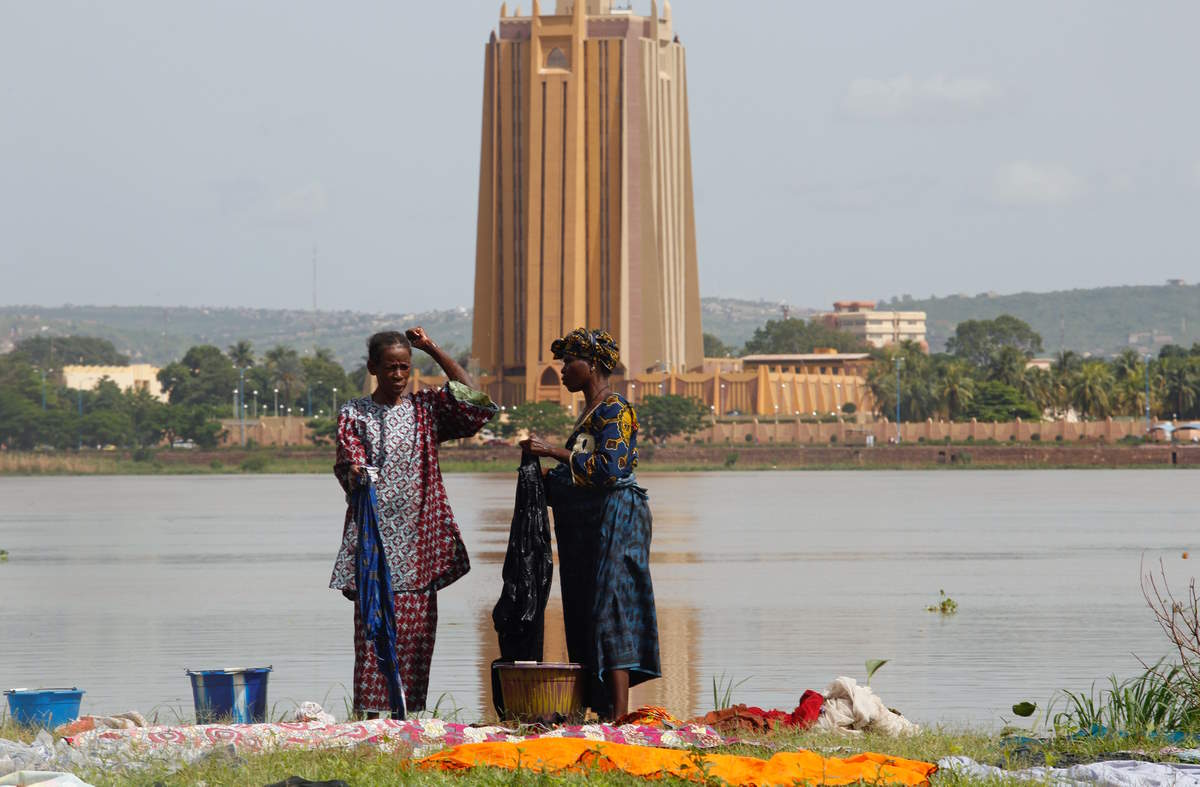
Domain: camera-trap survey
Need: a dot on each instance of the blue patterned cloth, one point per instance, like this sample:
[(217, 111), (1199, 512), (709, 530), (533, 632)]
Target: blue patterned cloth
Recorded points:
[(376, 604)]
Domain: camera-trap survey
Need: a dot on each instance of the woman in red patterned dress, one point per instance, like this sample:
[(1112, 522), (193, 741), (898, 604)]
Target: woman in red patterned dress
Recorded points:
[(392, 437)]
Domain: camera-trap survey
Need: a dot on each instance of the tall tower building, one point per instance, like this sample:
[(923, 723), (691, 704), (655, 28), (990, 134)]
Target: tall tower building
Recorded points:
[(585, 195)]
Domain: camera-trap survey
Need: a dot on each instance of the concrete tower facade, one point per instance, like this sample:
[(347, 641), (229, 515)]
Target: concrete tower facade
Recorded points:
[(585, 195)]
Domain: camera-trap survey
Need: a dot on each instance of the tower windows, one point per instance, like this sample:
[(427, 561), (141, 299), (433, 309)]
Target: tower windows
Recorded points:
[(557, 60)]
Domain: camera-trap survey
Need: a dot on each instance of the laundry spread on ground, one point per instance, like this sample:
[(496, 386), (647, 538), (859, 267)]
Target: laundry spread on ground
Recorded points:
[(748, 718), (1113, 773), (120, 721), (853, 709), (547, 755), (422, 736)]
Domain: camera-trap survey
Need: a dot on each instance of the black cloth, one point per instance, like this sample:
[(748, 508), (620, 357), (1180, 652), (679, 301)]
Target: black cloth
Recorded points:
[(519, 615)]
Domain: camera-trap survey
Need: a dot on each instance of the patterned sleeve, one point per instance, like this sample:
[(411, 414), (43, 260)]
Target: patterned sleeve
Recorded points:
[(350, 450), (458, 411), (606, 452)]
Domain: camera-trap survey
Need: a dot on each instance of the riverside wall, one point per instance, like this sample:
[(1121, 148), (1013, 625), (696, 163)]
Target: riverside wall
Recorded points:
[(293, 431)]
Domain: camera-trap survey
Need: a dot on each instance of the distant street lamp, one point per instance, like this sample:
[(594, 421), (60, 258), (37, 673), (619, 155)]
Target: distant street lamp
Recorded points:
[(276, 402), (1148, 393), (334, 409), (235, 403), (43, 371), (242, 402), (256, 404), (899, 363)]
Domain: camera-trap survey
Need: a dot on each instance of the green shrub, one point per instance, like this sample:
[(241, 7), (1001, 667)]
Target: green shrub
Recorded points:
[(731, 458), (216, 464), (143, 455), (254, 464)]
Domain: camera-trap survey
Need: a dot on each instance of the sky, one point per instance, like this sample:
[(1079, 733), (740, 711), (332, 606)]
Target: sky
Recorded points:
[(202, 153)]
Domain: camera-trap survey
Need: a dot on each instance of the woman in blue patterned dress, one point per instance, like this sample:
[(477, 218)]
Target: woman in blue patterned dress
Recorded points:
[(603, 527)]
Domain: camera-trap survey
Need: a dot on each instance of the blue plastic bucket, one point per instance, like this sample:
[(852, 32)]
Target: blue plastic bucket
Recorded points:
[(237, 695), (44, 707)]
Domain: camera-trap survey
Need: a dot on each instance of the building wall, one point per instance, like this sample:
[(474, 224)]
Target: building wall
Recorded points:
[(585, 197), (765, 391), (879, 328), (274, 431), (765, 430), (140, 376)]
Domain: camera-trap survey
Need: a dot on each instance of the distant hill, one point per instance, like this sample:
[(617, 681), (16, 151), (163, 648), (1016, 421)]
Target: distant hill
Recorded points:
[(1100, 321), (159, 335)]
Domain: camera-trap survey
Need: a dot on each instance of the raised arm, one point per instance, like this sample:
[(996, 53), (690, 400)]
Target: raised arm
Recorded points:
[(451, 367)]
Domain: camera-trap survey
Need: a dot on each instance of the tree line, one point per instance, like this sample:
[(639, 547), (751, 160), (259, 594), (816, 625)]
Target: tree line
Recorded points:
[(986, 374), (207, 384)]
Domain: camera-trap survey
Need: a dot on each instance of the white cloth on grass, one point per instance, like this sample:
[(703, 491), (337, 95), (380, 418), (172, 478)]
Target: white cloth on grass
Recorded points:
[(1114, 773), (43, 779), (852, 708)]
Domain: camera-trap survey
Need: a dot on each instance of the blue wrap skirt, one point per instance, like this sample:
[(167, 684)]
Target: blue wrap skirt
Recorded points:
[(603, 538)]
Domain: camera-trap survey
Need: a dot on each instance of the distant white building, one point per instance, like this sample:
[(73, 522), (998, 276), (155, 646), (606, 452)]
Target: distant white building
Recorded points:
[(139, 376), (876, 328)]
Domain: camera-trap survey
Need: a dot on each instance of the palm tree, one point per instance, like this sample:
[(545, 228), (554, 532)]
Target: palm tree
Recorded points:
[(286, 370), (1128, 364), (1066, 362), (955, 389), (1091, 389), (1037, 385), (1129, 395), (242, 354), (1007, 365), (1180, 376)]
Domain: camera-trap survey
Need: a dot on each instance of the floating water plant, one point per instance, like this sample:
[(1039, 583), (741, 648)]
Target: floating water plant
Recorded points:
[(945, 605)]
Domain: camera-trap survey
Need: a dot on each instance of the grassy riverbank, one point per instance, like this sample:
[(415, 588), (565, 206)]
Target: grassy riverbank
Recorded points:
[(694, 457), (367, 765)]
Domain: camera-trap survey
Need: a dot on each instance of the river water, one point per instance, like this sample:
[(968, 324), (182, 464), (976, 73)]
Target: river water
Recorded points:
[(781, 581)]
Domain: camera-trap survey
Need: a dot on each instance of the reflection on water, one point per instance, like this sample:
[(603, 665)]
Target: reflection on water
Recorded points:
[(783, 579)]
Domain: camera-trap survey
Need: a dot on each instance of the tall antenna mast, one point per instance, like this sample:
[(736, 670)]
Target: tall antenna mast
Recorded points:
[(314, 280)]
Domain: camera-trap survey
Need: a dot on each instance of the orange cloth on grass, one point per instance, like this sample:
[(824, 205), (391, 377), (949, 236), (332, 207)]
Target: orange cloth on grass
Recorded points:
[(550, 755), (650, 716)]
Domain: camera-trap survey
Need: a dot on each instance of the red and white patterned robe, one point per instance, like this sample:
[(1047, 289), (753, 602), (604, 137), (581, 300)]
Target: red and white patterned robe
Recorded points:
[(420, 538)]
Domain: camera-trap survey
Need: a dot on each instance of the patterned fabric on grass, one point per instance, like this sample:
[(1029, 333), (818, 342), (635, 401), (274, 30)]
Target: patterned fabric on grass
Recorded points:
[(147, 746)]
